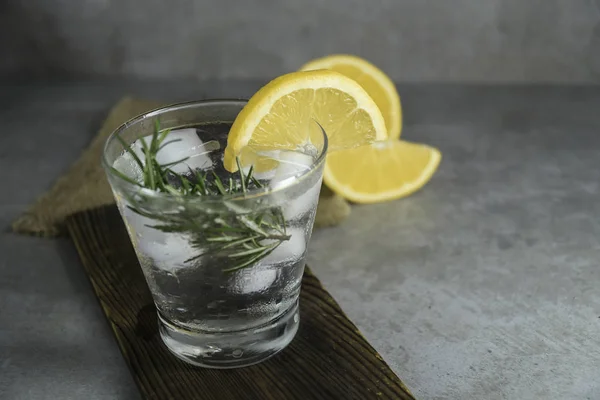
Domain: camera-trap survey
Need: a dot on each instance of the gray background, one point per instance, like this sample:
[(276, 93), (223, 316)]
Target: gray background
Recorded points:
[(413, 40), (483, 285)]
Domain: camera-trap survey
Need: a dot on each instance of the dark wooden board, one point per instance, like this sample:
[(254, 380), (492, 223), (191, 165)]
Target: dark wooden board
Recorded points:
[(328, 359)]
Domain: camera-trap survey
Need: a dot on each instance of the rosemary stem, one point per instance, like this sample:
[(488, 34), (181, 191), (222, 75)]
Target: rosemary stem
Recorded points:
[(234, 235)]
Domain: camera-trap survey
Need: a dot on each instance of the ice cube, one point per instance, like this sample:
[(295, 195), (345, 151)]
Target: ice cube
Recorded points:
[(292, 164), (265, 175), (127, 165), (167, 250), (187, 144), (170, 253), (303, 204), (266, 272), (141, 227), (288, 250), (254, 280)]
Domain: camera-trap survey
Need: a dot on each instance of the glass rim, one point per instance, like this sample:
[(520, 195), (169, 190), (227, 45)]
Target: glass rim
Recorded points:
[(251, 194)]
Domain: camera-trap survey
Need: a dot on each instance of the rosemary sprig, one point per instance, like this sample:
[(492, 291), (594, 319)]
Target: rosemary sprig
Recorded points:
[(236, 238)]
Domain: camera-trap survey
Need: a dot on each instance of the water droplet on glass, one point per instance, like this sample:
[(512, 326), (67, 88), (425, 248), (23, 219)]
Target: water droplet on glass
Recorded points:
[(237, 353)]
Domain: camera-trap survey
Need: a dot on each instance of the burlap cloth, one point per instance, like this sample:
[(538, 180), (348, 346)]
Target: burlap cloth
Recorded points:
[(84, 186)]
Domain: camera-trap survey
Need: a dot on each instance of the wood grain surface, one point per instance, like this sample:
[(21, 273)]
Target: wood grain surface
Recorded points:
[(328, 359)]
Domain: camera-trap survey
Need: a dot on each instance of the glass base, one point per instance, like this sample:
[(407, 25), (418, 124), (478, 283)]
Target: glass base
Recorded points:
[(231, 349)]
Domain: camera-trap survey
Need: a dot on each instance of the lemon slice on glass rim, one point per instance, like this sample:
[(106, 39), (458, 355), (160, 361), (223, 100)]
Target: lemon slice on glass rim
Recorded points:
[(282, 115)]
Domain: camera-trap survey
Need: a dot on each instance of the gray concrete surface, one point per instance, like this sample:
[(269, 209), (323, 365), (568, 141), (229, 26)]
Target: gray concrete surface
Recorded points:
[(425, 40), (484, 285)]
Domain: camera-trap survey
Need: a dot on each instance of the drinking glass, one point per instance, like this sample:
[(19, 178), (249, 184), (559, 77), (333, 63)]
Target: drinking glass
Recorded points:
[(213, 310)]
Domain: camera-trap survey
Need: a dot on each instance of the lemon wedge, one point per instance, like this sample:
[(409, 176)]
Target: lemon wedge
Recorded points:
[(380, 171)]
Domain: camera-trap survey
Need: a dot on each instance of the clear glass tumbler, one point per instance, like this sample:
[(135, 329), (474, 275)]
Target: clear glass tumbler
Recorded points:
[(224, 270)]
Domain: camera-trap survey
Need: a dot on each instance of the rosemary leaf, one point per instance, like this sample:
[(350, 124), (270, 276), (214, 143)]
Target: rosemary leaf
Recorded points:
[(221, 239), (130, 151), (248, 252), (185, 184), (257, 183), (163, 134), (219, 184), (240, 241), (242, 177), (250, 261), (168, 143), (167, 165), (248, 177), (253, 226)]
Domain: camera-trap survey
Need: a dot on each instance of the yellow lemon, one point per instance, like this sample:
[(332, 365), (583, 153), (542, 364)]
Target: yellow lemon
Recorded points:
[(380, 171)]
